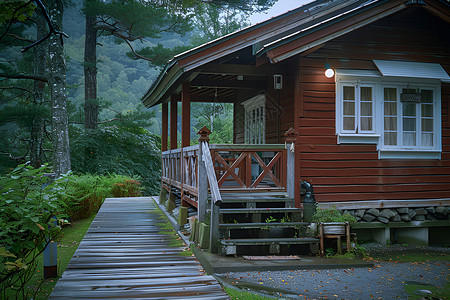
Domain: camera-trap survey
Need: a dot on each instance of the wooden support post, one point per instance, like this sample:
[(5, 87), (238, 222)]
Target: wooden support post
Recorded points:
[(291, 137), (202, 180), (162, 195), (214, 235), (186, 114), (173, 122), (164, 126), (185, 132)]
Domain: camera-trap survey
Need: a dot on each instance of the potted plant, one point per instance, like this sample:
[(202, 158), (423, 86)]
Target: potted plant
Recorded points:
[(333, 220)]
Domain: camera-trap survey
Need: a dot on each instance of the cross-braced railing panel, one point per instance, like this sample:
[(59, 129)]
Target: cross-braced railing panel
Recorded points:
[(237, 167)]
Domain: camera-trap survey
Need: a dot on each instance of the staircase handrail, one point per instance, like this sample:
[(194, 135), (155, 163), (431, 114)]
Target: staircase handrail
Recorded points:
[(212, 179)]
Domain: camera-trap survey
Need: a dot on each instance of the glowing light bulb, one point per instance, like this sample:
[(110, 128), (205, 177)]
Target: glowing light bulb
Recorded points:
[(329, 73)]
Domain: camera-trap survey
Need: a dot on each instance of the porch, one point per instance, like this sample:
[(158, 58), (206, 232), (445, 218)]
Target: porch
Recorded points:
[(240, 193)]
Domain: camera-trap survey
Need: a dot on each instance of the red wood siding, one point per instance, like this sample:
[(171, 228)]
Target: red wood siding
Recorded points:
[(279, 110), (353, 172)]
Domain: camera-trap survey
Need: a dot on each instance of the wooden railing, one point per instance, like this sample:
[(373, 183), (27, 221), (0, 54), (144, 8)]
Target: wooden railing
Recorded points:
[(226, 168), (250, 167), (238, 168)]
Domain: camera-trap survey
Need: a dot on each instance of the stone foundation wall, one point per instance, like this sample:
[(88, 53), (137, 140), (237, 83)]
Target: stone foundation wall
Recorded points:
[(405, 214)]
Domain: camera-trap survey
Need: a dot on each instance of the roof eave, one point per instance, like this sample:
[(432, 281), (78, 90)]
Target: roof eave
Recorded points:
[(155, 95), (274, 58)]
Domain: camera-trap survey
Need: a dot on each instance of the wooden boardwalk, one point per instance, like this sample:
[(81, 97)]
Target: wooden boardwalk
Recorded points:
[(123, 256)]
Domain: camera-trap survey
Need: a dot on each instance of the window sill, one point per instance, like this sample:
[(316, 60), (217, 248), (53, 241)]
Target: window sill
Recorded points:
[(408, 154), (358, 138)]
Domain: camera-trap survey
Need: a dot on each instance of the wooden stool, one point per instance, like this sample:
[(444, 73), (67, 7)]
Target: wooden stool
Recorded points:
[(334, 231)]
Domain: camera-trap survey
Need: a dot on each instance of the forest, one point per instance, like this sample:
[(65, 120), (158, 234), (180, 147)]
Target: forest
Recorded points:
[(73, 129), (73, 100)]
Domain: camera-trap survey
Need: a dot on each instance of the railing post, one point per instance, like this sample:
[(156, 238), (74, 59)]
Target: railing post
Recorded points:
[(291, 137), (202, 180)]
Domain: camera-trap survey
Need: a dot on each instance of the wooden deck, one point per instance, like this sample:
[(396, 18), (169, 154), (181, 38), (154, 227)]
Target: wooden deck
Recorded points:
[(122, 256)]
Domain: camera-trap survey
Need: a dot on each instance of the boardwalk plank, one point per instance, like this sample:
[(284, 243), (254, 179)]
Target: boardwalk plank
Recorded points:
[(123, 256)]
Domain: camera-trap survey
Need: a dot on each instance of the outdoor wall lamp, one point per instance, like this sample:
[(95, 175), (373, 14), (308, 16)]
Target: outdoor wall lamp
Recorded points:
[(329, 72)]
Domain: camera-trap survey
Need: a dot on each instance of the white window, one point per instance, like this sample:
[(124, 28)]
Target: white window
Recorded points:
[(357, 108), (409, 118), (401, 115), (255, 120)]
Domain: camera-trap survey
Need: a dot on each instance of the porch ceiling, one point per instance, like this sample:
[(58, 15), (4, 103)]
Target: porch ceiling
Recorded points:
[(220, 80)]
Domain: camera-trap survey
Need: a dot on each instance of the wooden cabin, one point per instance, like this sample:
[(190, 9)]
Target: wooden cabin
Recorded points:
[(363, 89)]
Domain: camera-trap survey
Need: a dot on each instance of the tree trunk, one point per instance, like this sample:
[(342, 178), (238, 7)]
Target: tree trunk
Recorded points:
[(38, 122), (60, 121), (90, 71)]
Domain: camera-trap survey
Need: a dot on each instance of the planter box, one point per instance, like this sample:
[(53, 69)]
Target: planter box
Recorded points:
[(333, 228)]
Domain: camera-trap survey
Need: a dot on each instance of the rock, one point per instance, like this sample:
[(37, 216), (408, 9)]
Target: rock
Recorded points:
[(360, 213), (431, 217), (349, 212), (387, 213), (403, 210), (383, 219), (412, 213), (357, 218), (421, 211), (405, 217), (440, 216), (374, 212), (396, 218), (369, 217), (430, 210), (441, 210), (420, 218)]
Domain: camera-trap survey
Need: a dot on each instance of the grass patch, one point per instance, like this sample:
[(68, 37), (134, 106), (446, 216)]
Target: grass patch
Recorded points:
[(417, 290), (39, 288), (243, 295)]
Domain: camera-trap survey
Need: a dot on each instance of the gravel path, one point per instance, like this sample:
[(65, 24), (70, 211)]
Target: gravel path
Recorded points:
[(386, 280)]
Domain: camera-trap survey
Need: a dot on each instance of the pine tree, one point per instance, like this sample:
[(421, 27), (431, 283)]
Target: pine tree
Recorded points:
[(57, 76)]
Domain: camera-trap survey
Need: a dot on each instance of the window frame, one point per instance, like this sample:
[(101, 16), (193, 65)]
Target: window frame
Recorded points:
[(257, 102), (377, 135)]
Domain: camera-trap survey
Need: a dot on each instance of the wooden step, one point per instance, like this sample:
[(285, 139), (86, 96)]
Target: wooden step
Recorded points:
[(262, 225), (269, 241), (229, 245), (254, 197), (258, 210)]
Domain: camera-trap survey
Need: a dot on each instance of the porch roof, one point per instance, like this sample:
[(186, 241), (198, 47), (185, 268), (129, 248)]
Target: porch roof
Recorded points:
[(301, 30)]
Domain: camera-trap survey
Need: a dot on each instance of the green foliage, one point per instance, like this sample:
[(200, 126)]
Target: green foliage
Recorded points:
[(129, 188), (270, 219), (415, 290), (26, 208), (218, 117), (331, 214), (238, 294), (16, 10), (83, 195), (212, 22), (68, 240), (130, 151), (158, 55)]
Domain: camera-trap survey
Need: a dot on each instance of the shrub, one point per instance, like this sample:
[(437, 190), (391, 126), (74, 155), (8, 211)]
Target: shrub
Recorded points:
[(331, 214), (26, 207), (84, 194), (126, 150), (129, 188)]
